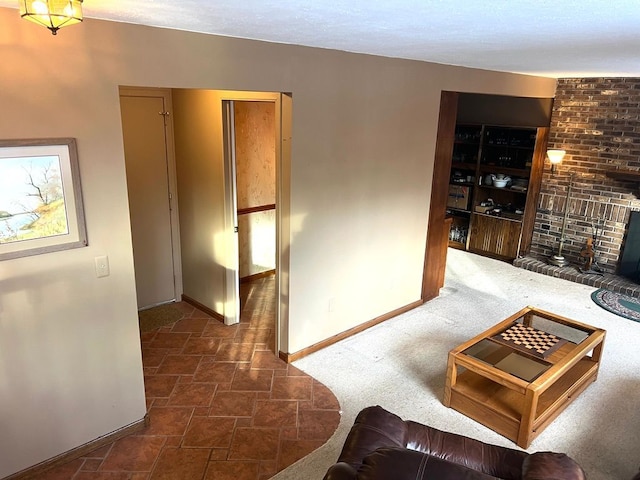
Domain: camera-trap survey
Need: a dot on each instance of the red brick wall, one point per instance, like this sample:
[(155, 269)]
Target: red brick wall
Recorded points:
[(597, 121)]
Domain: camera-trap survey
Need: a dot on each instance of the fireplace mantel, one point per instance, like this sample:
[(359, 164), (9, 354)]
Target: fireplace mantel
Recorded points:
[(624, 175)]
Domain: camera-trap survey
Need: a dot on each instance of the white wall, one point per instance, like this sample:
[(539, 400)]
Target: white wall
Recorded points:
[(364, 130)]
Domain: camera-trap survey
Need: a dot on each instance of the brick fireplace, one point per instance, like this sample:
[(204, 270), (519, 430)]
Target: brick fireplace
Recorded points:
[(597, 122)]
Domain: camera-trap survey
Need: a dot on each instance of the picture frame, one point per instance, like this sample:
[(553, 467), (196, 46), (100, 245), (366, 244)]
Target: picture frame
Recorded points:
[(41, 208)]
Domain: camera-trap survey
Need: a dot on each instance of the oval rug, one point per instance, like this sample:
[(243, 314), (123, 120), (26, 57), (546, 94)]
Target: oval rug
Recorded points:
[(622, 305)]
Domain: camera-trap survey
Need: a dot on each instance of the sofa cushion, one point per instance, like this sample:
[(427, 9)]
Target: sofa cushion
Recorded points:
[(402, 463), (501, 462)]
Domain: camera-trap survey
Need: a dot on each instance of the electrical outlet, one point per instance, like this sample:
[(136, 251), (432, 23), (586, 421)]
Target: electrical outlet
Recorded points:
[(102, 266)]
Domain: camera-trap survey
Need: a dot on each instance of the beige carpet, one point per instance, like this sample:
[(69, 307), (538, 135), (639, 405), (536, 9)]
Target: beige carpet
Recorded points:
[(159, 316), (400, 365)]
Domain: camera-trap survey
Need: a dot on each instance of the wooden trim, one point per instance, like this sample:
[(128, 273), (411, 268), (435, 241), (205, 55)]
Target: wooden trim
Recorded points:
[(37, 470), (204, 308), (433, 257), (256, 276), (443, 251), (292, 357), (257, 208)]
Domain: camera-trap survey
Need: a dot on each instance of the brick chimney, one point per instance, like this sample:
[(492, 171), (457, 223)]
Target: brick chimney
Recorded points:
[(597, 122)]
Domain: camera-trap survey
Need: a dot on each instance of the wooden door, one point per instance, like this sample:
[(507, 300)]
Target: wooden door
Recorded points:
[(145, 145)]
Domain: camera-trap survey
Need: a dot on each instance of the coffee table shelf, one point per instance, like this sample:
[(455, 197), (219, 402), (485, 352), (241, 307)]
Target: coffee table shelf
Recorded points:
[(482, 381)]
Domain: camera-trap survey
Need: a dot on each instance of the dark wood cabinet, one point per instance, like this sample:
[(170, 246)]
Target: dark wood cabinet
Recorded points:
[(495, 235), (493, 188)]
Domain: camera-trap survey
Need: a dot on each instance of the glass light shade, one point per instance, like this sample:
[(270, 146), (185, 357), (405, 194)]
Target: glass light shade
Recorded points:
[(53, 14), (555, 156)]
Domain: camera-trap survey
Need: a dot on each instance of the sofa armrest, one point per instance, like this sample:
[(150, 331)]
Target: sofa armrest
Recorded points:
[(551, 466), (341, 471), (373, 428)]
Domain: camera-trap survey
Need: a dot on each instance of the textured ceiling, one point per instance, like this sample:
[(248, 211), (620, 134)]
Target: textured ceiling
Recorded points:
[(556, 38)]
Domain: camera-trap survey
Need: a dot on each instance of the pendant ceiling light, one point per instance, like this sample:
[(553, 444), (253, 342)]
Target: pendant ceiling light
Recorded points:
[(53, 14)]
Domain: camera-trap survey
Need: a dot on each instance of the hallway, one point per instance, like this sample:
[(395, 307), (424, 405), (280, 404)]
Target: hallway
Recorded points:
[(221, 405)]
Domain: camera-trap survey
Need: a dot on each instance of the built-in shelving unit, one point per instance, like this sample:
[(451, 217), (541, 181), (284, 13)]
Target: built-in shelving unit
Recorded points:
[(489, 216)]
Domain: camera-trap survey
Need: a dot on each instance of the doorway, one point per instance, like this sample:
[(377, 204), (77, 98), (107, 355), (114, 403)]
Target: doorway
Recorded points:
[(250, 163), (207, 271), (151, 184)]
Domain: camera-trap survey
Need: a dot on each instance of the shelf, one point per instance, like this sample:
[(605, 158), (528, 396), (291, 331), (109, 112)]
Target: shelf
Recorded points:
[(624, 175), (458, 210), (504, 189), (492, 395), (516, 172), (510, 147), (464, 184), (565, 388), (500, 217), (462, 165)]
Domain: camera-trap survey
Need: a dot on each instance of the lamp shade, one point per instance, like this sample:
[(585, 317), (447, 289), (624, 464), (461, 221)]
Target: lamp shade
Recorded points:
[(53, 14), (556, 156)]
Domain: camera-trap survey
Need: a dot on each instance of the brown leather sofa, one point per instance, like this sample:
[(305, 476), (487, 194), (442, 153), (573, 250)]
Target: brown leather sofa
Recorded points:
[(382, 446)]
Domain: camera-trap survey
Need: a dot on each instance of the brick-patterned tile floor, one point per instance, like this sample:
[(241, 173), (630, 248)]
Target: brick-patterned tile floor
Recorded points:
[(221, 404)]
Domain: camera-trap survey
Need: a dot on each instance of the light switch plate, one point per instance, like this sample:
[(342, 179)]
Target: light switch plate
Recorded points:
[(102, 266)]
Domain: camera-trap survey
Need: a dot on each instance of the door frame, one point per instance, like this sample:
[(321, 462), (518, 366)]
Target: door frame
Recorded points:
[(231, 305), (165, 94), (437, 235), (283, 126)]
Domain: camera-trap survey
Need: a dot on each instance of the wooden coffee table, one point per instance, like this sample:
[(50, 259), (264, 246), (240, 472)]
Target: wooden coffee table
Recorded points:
[(519, 375)]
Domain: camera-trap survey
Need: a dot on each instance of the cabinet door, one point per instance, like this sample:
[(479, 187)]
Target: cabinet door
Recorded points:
[(495, 236)]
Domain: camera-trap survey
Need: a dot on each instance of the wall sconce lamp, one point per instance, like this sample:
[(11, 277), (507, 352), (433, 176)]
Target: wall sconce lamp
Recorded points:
[(53, 14), (555, 157)]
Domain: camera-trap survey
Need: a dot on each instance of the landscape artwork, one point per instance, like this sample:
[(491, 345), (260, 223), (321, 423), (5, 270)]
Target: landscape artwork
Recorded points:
[(31, 199), (40, 199)]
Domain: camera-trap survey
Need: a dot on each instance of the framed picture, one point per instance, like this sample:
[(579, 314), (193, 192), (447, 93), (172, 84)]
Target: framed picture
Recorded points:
[(41, 207)]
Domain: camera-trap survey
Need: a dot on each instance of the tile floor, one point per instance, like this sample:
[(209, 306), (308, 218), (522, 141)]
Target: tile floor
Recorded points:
[(221, 405)]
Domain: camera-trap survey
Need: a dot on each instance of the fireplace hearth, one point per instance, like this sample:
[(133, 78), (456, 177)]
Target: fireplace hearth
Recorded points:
[(609, 281)]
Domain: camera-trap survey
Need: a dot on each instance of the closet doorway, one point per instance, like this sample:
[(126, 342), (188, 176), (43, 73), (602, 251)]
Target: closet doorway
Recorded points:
[(148, 146)]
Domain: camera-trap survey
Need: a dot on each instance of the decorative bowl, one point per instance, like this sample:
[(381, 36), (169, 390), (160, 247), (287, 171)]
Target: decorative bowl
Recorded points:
[(500, 182)]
